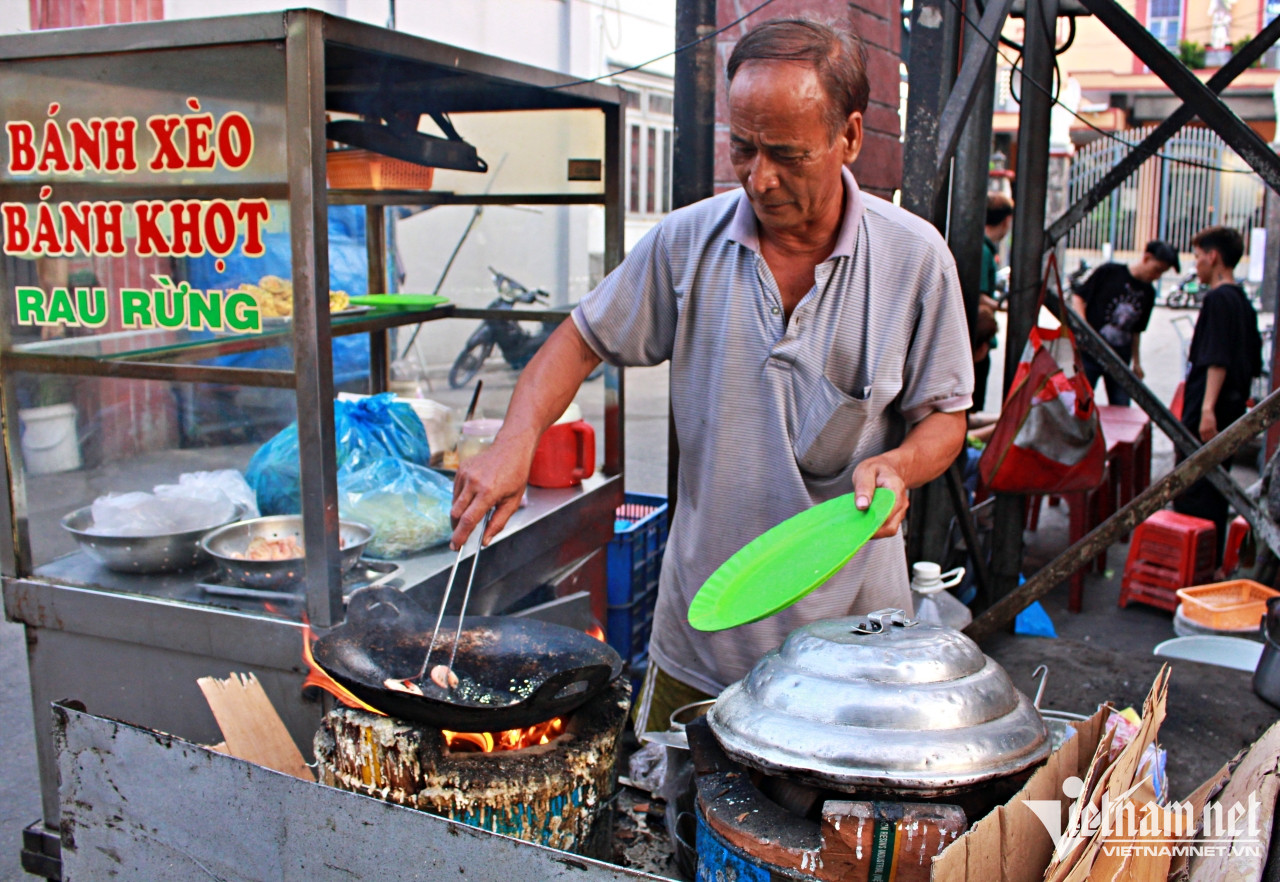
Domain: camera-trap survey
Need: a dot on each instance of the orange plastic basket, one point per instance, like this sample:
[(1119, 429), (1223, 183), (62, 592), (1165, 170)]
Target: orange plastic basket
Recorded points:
[(1226, 606), (365, 170)]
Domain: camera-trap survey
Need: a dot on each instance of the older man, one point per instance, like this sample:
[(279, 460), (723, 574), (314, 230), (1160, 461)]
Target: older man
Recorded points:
[(817, 343)]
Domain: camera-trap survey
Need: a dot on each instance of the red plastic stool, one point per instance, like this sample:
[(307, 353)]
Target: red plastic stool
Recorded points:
[(1169, 551), (1177, 541), (1237, 532)]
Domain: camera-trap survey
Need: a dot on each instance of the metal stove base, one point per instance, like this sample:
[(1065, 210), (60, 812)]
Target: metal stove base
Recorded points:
[(139, 804), (41, 852)]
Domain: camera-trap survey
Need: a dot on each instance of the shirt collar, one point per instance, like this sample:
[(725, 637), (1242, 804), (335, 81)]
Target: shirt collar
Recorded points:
[(744, 228)]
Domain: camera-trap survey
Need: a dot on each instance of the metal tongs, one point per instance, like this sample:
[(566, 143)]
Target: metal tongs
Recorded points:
[(466, 598)]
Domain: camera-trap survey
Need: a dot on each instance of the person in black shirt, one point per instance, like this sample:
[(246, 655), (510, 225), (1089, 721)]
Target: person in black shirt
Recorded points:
[(1225, 356), (1116, 301)]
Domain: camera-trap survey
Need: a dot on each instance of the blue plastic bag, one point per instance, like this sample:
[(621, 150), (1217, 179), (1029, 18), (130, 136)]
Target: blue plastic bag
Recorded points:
[(365, 431), (406, 505), (1034, 622)]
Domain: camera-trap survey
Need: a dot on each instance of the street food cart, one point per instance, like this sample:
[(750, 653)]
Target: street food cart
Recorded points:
[(129, 152)]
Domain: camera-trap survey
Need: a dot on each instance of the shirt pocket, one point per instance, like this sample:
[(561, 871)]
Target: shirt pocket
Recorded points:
[(831, 428)]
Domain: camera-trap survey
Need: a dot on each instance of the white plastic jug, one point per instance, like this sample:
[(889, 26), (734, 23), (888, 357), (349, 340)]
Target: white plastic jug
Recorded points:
[(932, 602)]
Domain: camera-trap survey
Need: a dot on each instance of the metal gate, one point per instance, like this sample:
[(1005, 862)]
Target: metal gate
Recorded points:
[(1196, 180)]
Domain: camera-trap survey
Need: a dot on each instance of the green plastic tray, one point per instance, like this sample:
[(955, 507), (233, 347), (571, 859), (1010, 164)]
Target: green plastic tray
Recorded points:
[(400, 301), (782, 565)]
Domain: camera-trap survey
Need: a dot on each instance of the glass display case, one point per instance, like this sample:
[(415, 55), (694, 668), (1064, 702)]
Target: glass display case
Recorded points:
[(173, 197)]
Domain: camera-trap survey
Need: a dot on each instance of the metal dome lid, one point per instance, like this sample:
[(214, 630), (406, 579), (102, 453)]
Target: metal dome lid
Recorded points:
[(880, 702)]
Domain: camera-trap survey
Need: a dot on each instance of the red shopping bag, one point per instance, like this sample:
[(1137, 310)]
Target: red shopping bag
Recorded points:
[(1048, 438)]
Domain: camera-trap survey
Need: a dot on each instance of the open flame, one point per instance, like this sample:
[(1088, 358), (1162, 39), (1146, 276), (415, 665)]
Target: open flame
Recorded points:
[(317, 677), (512, 739)]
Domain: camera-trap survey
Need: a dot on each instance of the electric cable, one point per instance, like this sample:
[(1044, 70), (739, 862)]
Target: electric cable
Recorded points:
[(675, 51)]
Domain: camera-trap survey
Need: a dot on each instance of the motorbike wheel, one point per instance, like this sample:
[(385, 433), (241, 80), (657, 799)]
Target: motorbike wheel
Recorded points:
[(468, 364)]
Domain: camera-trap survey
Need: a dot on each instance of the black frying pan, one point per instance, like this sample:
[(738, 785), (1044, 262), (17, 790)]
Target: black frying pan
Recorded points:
[(516, 672)]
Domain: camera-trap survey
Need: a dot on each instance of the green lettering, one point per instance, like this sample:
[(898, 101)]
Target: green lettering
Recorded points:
[(241, 312), (31, 306), (91, 305), (135, 308), (205, 310), (171, 308), (62, 308)]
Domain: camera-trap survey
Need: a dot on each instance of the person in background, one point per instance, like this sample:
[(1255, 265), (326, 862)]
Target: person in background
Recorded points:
[(1116, 301), (1225, 356), (999, 223), (818, 347)]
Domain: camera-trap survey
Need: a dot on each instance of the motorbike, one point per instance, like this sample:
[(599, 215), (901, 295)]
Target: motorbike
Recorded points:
[(516, 344), (1188, 295)]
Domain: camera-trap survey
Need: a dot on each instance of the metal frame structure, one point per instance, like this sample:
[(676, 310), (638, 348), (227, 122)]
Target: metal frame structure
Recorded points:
[(132, 648), (941, 95)]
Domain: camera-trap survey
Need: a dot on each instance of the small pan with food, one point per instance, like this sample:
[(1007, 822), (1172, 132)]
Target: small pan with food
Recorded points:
[(510, 672)]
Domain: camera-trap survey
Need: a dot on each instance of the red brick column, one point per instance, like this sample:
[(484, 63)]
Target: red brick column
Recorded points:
[(879, 167)]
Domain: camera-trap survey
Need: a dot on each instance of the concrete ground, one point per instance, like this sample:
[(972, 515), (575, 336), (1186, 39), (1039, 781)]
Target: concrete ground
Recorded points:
[(1101, 654)]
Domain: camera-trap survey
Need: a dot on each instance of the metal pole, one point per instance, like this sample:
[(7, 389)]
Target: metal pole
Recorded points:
[(1026, 257), (309, 232), (929, 515), (969, 188), (693, 150), (934, 54), (1271, 292), (375, 247), (932, 65), (1150, 500)]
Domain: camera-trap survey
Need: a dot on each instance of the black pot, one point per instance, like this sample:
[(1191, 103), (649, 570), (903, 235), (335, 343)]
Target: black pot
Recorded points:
[(1266, 677)]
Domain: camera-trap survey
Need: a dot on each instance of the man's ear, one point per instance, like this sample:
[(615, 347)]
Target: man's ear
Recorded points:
[(852, 134)]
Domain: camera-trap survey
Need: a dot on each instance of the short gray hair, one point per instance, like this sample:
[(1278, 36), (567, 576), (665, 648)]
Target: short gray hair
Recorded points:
[(837, 56)]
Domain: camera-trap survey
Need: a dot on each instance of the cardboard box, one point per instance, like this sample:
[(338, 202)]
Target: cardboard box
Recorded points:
[(1220, 832), (1012, 844)]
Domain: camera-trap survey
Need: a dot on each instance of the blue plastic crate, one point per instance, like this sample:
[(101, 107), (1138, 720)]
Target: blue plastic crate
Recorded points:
[(634, 561)]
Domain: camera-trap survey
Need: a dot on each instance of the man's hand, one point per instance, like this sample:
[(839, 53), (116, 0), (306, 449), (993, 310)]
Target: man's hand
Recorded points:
[(881, 471), (929, 448), (1208, 426), (495, 479), (1213, 383), (1138, 371)]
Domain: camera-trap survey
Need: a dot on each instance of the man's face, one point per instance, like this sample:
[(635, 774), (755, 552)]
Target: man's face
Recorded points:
[(1151, 268), (782, 150), (1206, 262)]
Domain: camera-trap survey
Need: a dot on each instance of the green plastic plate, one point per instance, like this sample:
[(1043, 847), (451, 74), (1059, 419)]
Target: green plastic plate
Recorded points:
[(400, 301), (779, 567)]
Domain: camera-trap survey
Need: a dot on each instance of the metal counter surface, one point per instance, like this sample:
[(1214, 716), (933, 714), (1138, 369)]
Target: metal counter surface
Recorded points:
[(584, 523)]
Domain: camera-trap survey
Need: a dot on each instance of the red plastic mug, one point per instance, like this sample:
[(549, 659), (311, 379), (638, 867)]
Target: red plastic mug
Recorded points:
[(566, 454)]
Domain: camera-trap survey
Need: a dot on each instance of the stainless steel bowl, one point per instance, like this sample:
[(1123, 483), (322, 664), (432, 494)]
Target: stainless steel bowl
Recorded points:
[(165, 553), (224, 543)]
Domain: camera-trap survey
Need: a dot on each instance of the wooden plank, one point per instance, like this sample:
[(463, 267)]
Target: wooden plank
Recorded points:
[(252, 728)]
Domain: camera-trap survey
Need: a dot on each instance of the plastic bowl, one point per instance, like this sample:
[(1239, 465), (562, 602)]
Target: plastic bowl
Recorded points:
[(166, 553), (224, 543)]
